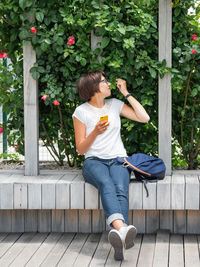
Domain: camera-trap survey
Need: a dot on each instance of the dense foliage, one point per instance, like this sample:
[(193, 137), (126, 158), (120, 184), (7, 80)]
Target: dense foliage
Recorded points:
[(61, 37)]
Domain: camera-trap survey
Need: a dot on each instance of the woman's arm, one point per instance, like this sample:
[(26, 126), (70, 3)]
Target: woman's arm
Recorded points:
[(83, 143), (136, 112)]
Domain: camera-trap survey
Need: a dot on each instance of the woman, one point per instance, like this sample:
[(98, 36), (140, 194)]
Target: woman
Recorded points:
[(101, 143)]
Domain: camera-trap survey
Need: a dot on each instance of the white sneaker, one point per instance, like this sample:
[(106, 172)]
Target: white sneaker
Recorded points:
[(128, 235), (115, 240)]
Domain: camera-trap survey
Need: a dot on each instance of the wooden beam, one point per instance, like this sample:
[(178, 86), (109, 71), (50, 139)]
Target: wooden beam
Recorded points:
[(31, 121), (165, 101)]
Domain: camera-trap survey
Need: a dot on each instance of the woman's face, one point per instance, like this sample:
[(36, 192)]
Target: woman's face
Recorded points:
[(104, 87)]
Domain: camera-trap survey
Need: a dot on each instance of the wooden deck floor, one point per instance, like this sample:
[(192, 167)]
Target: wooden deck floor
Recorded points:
[(68, 249)]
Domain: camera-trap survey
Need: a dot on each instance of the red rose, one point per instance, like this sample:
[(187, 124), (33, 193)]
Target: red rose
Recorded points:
[(1, 129), (56, 103), (16, 147), (3, 55), (33, 29), (194, 37), (71, 40), (44, 97), (193, 51)]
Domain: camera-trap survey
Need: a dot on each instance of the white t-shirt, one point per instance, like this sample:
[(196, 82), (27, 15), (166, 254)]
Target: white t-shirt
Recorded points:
[(109, 144)]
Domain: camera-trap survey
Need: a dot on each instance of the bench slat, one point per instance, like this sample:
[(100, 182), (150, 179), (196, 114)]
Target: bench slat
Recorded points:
[(77, 193), (178, 192), (192, 192), (164, 194)]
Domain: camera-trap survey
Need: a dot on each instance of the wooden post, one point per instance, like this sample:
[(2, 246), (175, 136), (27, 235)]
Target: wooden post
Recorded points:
[(31, 121), (165, 102)]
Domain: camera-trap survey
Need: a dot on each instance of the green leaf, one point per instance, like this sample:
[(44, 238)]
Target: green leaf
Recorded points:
[(44, 46), (36, 75), (39, 16), (48, 41), (152, 72), (23, 34), (83, 61), (60, 41), (121, 29), (177, 11), (194, 92), (105, 41), (22, 4)]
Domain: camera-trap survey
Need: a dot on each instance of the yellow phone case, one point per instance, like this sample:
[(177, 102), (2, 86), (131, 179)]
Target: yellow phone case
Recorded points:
[(104, 118)]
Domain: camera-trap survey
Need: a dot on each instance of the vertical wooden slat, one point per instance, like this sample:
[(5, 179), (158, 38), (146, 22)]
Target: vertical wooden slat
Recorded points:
[(165, 101), (164, 194), (98, 221), (20, 196), (176, 252), (6, 196), (139, 220), (30, 220), (135, 195), (77, 189), (91, 197), (71, 221), (180, 221), (34, 196), (178, 192), (152, 221), (31, 126), (167, 220), (58, 218), (48, 196), (193, 222), (44, 221), (85, 221), (17, 221), (149, 203), (5, 221), (192, 192)]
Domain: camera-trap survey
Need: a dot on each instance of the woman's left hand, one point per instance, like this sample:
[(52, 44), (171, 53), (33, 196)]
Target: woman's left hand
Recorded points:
[(121, 84)]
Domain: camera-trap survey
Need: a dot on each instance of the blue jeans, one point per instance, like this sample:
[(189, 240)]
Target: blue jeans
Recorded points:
[(112, 181)]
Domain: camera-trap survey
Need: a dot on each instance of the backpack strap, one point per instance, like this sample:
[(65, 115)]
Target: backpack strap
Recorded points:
[(140, 178), (135, 168)]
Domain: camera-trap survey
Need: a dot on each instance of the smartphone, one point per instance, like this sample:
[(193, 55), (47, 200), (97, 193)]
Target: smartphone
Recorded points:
[(104, 118)]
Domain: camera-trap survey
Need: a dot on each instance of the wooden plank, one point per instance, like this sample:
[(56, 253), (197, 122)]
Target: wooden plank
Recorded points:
[(166, 220), (85, 221), (17, 221), (111, 261), (71, 221), (139, 220), (161, 250), (31, 221), (63, 190), (176, 253), (6, 195), (192, 192), (34, 196), (57, 252), (29, 250), (20, 196), (164, 194), (77, 189), (87, 251), (5, 221), (180, 221), (58, 217), (135, 195), (193, 222), (91, 197), (130, 217), (149, 203), (98, 221), (8, 242), (15, 249), (178, 192), (147, 251), (31, 133), (73, 250), (48, 196), (45, 248), (101, 253), (152, 221), (131, 255), (191, 251), (44, 221), (165, 94)]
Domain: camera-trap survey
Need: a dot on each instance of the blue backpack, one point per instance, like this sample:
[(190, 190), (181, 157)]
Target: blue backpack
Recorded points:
[(146, 168)]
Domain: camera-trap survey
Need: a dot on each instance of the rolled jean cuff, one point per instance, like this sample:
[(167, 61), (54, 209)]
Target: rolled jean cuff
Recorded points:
[(113, 217)]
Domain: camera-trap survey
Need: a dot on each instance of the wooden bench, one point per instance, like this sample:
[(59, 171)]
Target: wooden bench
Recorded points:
[(63, 202)]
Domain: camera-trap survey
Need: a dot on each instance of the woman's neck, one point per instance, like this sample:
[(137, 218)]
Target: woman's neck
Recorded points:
[(96, 102)]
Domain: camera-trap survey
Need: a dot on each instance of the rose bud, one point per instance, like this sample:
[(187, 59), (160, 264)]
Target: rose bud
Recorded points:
[(193, 51), (16, 147), (44, 97), (1, 129), (194, 37), (56, 103), (33, 29), (71, 40)]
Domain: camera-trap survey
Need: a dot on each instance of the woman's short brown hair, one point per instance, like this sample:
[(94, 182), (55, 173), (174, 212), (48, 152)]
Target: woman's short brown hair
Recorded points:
[(88, 84)]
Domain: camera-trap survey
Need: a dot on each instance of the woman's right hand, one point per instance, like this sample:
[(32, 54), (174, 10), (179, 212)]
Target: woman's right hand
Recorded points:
[(101, 127)]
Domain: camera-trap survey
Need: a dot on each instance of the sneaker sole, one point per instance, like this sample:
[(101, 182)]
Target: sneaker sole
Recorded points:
[(117, 244), (130, 237)]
